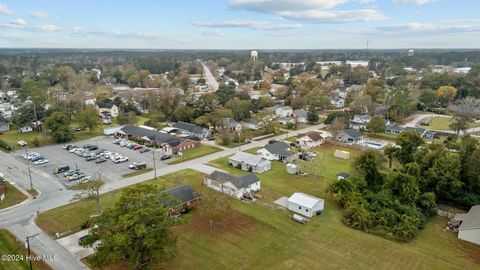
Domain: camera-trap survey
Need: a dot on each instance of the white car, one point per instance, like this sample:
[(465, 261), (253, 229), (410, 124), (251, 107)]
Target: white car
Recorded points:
[(32, 155), (41, 161), (123, 143), (22, 143), (120, 160), (73, 150)]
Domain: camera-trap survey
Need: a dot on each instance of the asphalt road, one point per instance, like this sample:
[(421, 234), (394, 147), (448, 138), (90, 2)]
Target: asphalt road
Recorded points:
[(421, 117), (211, 81), (20, 220)]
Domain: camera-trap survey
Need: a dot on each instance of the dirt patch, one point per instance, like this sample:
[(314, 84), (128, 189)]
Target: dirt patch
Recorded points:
[(233, 223)]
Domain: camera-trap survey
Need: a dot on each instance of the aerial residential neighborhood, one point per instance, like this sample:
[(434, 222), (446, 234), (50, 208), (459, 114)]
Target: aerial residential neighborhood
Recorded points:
[(239, 134)]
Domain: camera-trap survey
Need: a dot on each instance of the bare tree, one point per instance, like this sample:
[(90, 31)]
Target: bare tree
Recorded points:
[(338, 125), (215, 205), (91, 191)]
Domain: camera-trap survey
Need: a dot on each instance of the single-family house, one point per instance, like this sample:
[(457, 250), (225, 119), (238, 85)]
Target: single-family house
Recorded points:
[(337, 102), (232, 125), (235, 186), (185, 196), (420, 131), (250, 124), (193, 130), (285, 120), (107, 108), (343, 176), (469, 229), (300, 116), (394, 129), (25, 129), (278, 151), (360, 122), (250, 162), (305, 205), (4, 124), (284, 111), (309, 140), (167, 143), (350, 136)]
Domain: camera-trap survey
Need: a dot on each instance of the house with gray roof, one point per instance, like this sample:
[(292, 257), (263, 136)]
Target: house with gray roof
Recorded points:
[(300, 116), (250, 162), (4, 124), (235, 186), (349, 136), (185, 198), (469, 229), (394, 129), (250, 124), (193, 130), (277, 151), (360, 122), (284, 111)]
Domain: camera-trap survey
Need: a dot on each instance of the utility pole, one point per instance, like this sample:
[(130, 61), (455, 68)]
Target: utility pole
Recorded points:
[(28, 166), (153, 155), (36, 117), (28, 248)]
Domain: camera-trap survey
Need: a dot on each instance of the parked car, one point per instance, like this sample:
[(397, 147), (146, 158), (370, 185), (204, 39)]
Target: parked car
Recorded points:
[(165, 157), (120, 160), (137, 166), (61, 169), (144, 150), (137, 147), (123, 143), (37, 158), (41, 161), (90, 158), (100, 160)]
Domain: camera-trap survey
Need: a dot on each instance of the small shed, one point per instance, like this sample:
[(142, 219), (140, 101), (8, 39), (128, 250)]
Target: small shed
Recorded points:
[(305, 205), (292, 168), (342, 176), (342, 154)]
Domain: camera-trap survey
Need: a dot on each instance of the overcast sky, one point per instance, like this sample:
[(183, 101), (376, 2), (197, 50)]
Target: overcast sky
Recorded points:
[(240, 24)]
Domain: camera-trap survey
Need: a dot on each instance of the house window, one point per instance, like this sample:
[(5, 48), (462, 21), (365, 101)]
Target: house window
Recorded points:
[(306, 210), (300, 208)]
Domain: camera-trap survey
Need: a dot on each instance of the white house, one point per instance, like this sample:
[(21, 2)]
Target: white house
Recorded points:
[(300, 116), (250, 124), (305, 205), (284, 111), (249, 162), (107, 109), (235, 186), (4, 124), (469, 229), (309, 140), (277, 151), (338, 102), (25, 129), (360, 122)]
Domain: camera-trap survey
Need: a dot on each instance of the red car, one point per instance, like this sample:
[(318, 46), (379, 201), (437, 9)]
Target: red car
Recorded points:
[(138, 147)]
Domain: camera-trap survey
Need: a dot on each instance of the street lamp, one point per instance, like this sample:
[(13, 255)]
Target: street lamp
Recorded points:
[(28, 248), (28, 166)]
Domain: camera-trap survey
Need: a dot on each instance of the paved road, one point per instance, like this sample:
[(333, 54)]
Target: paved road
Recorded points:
[(211, 81), (420, 117), (20, 219)]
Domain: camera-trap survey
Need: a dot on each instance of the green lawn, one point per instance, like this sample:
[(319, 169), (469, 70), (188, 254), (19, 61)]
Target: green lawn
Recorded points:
[(442, 123), (137, 172), (261, 235), (9, 246), (196, 153), (12, 196)]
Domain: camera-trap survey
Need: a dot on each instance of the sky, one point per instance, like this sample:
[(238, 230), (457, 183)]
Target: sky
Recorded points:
[(240, 24)]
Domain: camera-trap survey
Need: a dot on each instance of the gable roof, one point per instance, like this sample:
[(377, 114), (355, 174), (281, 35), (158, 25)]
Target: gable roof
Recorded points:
[(183, 193), (279, 148), (420, 131), (285, 108), (304, 199), (394, 128), (314, 136), (3, 120), (238, 181), (471, 220), (189, 127), (353, 133), (153, 135), (343, 174), (250, 121), (247, 158), (301, 113), (105, 104)]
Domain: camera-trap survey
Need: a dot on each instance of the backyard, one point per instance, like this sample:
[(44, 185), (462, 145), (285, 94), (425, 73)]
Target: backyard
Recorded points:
[(12, 196), (10, 246), (261, 235), (442, 123)]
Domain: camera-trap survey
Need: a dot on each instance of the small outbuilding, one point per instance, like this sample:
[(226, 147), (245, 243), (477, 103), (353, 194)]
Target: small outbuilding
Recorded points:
[(342, 176), (305, 205), (341, 154)]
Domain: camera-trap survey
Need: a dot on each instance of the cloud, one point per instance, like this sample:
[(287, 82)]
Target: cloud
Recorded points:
[(212, 33), (19, 21), (5, 10), (256, 25), (417, 2), (46, 28), (316, 11), (81, 32), (39, 15)]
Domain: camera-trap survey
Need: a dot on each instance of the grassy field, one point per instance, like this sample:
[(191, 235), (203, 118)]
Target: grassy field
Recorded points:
[(9, 246), (442, 123), (138, 172), (196, 153), (261, 235), (12, 196)]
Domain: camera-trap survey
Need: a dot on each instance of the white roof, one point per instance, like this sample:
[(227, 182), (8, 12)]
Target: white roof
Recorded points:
[(247, 158), (304, 199)]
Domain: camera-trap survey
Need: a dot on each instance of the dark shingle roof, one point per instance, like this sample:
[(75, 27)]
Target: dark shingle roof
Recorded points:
[(279, 148), (238, 181), (153, 135), (315, 136), (353, 133), (183, 193), (107, 104), (344, 175), (189, 127), (394, 128), (3, 120)]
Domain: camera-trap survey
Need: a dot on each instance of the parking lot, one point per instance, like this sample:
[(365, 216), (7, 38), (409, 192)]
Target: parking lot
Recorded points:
[(108, 171)]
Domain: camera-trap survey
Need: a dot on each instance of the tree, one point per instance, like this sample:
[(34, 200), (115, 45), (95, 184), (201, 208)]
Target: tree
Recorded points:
[(428, 98), (215, 205), (409, 141), (240, 108), (376, 124), (446, 94), (137, 229), (92, 192), (89, 118), (404, 187), (367, 165), (459, 123), (338, 125), (473, 171), (59, 125), (389, 152), (185, 114), (225, 93), (312, 117)]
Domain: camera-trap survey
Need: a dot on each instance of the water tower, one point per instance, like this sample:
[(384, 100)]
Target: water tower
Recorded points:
[(254, 55), (411, 52)]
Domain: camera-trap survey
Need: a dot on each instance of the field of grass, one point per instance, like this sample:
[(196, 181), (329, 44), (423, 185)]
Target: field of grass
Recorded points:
[(196, 153), (9, 246), (261, 235), (138, 172), (12, 196), (442, 123)]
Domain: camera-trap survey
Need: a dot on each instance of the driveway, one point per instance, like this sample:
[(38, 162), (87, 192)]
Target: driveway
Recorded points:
[(71, 244)]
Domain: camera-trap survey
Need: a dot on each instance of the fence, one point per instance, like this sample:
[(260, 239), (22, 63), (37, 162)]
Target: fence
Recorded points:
[(445, 214)]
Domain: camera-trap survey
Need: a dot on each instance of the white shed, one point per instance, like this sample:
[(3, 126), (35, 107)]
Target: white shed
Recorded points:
[(305, 205)]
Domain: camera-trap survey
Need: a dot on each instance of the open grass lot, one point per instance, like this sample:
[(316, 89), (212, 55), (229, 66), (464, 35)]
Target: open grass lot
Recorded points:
[(9, 246), (261, 235), (196, 153), (442, 123), (12, 196)]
